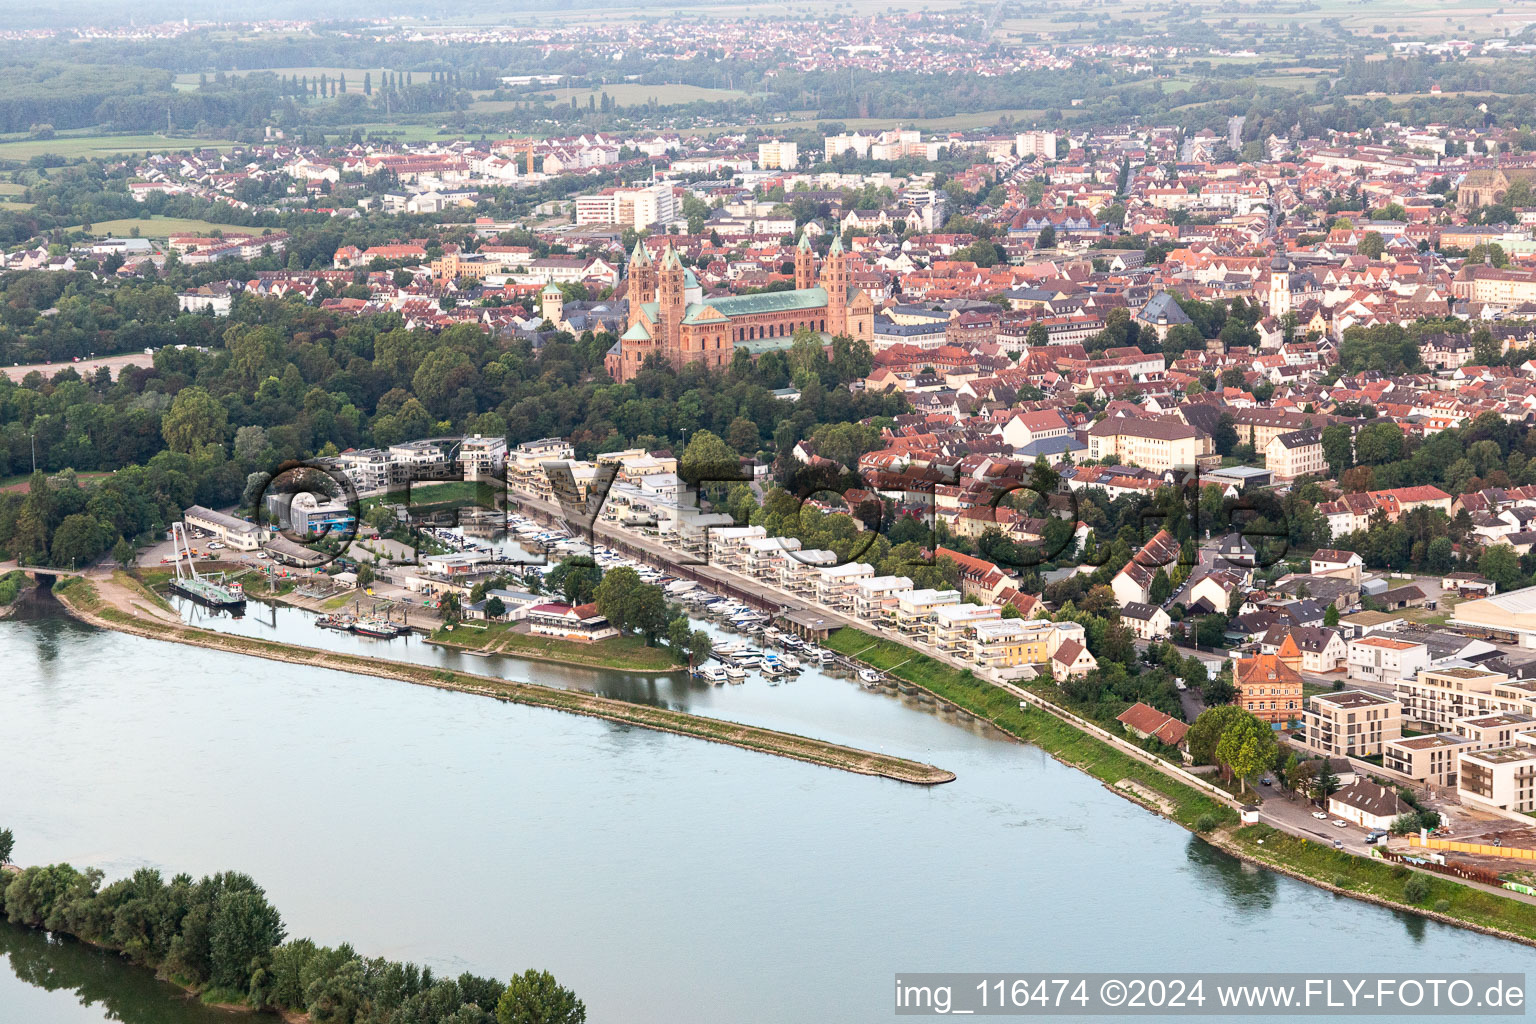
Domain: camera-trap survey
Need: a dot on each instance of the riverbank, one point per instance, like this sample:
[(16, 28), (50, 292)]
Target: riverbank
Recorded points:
[(126, 608), (1361, 878)]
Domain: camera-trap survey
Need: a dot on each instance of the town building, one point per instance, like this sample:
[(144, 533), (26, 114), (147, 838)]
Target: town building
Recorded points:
[(1351, 723)]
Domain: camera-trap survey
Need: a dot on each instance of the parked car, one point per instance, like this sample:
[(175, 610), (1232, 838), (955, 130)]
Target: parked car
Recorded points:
[(1338, 844), (1319, 815), (1340, 823), (1266, 781)]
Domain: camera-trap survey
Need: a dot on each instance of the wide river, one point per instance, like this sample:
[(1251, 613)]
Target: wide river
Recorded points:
[(666, 880)]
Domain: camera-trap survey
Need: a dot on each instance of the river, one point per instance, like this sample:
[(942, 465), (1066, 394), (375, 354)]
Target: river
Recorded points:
[(664, 879)]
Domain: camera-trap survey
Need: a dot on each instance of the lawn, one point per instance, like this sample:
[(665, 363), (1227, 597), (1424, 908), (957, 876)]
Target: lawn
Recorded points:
[(624, 653), (161, 227), (1039, 728), (453, 493), (89, 146)]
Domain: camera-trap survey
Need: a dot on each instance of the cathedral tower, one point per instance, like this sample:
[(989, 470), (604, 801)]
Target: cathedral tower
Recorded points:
[(834, 278), (670, 297), (642, 282), (805, 263)]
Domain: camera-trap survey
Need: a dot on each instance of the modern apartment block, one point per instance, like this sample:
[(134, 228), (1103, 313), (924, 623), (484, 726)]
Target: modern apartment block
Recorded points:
[(1352, 723)]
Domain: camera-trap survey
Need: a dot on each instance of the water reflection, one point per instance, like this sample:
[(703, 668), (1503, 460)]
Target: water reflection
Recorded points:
[(1246, 886), (104, 985)]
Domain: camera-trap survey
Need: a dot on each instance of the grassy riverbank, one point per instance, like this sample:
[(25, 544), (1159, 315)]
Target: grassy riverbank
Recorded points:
[(1372, 880), (1185, 805), (82, 597), (620, 653)]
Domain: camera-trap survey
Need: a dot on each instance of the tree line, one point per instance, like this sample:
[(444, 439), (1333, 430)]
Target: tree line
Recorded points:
[(220, 937)]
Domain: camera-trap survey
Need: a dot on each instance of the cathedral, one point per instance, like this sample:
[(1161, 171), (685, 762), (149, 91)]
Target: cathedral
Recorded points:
[(669, 317)]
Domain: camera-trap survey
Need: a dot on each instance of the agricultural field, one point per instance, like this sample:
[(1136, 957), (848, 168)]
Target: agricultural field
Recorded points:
[(161, 227), (87, 147), (627, 94)]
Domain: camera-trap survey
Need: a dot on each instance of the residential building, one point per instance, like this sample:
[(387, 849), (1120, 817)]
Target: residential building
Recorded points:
[(1147, 621), (1433, 759), (1269, 685), (1295, 454), (915, 609), (836, 585), (1503, 778), (1379, 659), (779, 156), (1436, 698), (1367, 804), (950, 625), (1351, 723), (1158, 445), (1072, 660), (874, 597), (579, 623), (1144, 721), (483, 458)]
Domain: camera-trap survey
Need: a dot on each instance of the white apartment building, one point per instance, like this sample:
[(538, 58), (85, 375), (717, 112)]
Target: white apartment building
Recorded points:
[(836, 585), (1351, 723), (765, 556), (874, 597), (1436, 698), (1378, 659), (728, 545), (951, 626), (778, 156), (801, 572), (483, 458), (1500, 779), (1035, 144), (637, 207), (916, 608)]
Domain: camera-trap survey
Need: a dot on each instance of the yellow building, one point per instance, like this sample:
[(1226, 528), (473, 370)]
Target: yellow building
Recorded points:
[(1158, 445)]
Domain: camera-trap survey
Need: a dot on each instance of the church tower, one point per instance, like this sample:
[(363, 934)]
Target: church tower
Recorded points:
[(642, 282), (805, 263), (1279, 287), (834, 278), (669, 295)]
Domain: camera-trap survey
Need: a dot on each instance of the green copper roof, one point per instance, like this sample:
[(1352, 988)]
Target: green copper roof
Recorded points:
[(551, 288), (805, 242), (758, 346), (703, 313), (837, 245), (637, 333), (671, 259), (770, 302), (690, 280), (639, 257)]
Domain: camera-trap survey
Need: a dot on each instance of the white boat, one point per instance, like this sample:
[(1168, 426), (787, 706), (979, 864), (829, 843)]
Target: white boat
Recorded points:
[(825, 656), (869, 675), (774, 668), (790, 662), (711, 674), (735, 673)]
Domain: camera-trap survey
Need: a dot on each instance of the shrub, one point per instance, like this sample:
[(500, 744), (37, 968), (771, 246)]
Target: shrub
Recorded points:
[(1400, 872), (1416, 890), (1341, 881), (1442, 906), (1206, 823)]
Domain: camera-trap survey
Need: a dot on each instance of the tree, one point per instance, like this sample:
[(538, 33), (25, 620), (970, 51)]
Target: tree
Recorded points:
[(7, 845), (1371, 245), (1486, 349), (534, 997), (1325, 781), (1224, 437), (1379, 442), (495, 608), (1331, 616), (1246, 747), (575, 579), (630, 604), (1205, 734), (365, 576), (79, 541), (245, 930), (707, 458), (1046, 239), (195, 418), (1338, 447), (124, 553)]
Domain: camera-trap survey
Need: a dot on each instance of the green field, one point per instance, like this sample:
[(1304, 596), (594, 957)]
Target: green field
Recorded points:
[(162, 227), (11, 188), (88, 146)]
